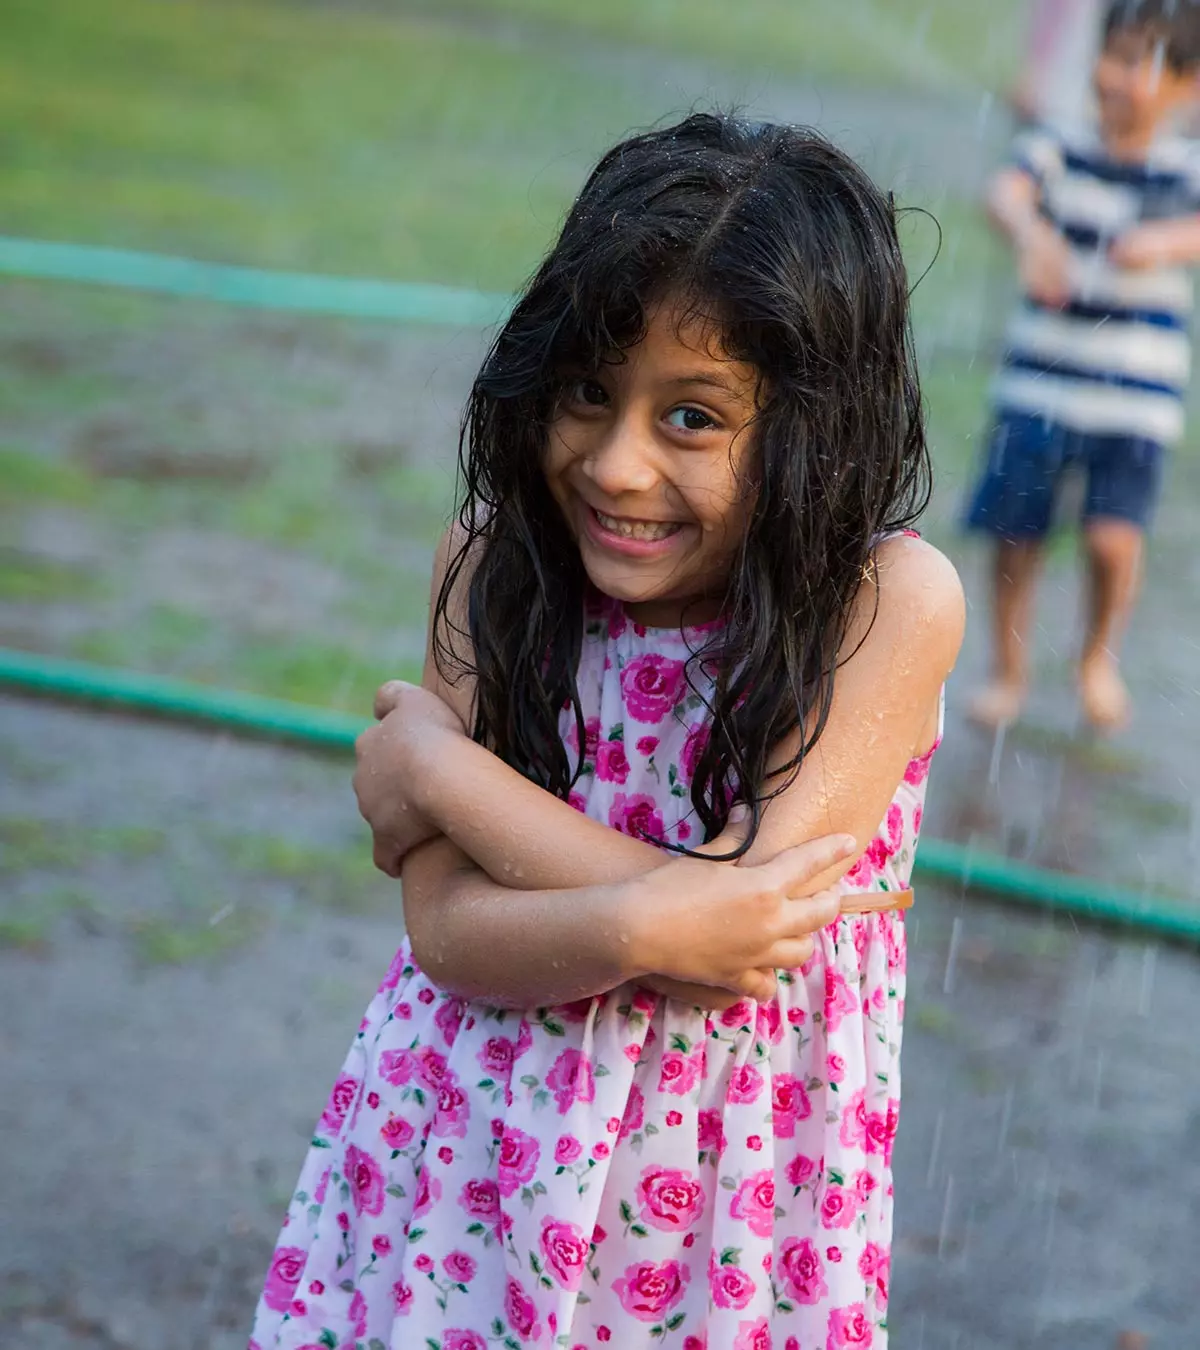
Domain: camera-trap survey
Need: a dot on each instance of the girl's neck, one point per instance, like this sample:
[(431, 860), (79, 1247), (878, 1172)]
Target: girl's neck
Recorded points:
[(671, 614)]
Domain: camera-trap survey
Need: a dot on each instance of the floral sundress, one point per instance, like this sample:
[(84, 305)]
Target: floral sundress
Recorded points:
[(626, 1170)]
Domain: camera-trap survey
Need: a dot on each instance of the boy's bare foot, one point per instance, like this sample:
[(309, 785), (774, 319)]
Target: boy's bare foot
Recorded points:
[(997, 704), (1102, 692)]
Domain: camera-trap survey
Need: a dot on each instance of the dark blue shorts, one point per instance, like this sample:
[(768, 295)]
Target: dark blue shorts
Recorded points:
[(1028, 460)]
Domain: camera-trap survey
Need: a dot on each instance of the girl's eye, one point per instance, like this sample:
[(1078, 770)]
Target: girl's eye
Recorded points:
[(589, 392), (690, 419)]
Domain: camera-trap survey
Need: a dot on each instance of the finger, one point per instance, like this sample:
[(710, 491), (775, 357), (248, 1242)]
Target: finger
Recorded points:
[(759, 985), (807, 914), (792, 953), (387, 857), (388, 696), (788, 871)]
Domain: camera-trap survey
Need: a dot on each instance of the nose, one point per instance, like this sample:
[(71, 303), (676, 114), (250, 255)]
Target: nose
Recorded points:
[(622, 461)]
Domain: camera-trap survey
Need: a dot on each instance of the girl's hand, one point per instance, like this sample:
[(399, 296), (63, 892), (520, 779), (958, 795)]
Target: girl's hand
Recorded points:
[(386, 788), (700, 923)]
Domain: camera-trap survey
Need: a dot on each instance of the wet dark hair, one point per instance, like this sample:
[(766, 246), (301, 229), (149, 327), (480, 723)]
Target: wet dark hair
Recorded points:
[(1174, 23), (792, 250)]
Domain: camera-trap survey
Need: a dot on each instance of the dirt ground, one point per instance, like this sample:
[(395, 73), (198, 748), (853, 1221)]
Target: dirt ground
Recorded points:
[(157, 1098)]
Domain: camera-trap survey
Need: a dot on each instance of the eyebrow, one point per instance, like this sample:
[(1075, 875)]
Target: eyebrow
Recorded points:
[(709, 381)]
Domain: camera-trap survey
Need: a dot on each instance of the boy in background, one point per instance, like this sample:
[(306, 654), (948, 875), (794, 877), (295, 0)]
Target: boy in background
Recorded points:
[(1103, 227)]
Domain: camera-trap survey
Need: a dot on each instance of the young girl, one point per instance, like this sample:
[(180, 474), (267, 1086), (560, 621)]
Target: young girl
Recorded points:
[(633, 1080)]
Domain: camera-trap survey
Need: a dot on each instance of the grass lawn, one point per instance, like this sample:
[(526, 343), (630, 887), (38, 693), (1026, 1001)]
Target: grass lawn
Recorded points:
[(251, 499)]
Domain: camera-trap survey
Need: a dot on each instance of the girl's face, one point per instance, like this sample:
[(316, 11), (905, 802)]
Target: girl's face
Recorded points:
[(647, 458)]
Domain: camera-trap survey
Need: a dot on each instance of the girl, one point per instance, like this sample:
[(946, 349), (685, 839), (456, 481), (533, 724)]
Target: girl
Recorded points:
[(604, 1095)]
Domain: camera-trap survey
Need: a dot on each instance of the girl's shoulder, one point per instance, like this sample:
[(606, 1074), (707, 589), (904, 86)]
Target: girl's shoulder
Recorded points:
[(916, 594)]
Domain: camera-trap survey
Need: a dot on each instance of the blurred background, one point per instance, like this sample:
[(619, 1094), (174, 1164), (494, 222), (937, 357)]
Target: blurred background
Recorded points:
[(246, 497)]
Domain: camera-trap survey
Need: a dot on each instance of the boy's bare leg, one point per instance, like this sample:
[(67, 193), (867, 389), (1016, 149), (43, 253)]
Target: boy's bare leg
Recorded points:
[(1016, 568), (1114, 550)]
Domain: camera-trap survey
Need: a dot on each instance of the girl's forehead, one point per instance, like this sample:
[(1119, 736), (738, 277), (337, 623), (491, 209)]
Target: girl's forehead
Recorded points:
[(683, 344)]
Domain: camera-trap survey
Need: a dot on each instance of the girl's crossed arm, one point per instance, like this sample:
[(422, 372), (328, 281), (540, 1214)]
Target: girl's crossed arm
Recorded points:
[(904, 640)]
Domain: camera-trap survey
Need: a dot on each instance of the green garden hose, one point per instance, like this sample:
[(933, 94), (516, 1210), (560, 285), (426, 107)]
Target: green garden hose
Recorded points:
[(250, 714)]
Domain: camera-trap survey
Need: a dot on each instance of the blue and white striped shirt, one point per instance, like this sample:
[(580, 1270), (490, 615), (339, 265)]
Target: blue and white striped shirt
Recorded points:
[(1115, 360)]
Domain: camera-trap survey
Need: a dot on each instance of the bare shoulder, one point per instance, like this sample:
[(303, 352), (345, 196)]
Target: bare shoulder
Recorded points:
[(915, 601)]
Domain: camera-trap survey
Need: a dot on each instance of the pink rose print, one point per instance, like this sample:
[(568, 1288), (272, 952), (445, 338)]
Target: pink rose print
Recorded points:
[(448, 1018), (693, 748), (460, 1267), (481, 1200), (341, 1099), (769, 1022), (835, 1068), (358, 1313), (754, 1335), (800, 1170), (874, 1258), (524, 1040), (566, 1251), (591, 737), (711, 1132), (567, 1150), (519, 1309), (650, 1289), (570, 1079), (396, 1066), (394, 971), (647, 745), (578, 801), (864, 1184), (454, 1339), (381, 1243), (518, 1160), (895, 827), (635, 1112), (651, 686), (853, 1130), (737, 1015), (453, 1110), (839, 998), (496, 1058), (671, 1199), (695, 1343), (803, 1273), (745, 1084), (366, 1181), (402, 1297), (430, 1067), (637, 815), (429, 1192), (287, 1265), (611, 763), (918, 768), (837, 1207), (729, 1286), (679, 1073), (754, 1201), (849, 1327), (918, 816), (789, 1104), (322, 1186)]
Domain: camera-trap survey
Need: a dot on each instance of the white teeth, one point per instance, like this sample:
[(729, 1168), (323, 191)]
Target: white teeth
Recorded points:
[(636, 529)]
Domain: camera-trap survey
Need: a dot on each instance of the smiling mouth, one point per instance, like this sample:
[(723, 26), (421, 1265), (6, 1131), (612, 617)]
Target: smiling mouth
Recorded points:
[(649, 530)]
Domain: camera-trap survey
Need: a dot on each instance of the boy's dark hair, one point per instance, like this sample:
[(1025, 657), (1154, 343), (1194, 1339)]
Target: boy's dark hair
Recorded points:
[(786, 245), (1174, 23)]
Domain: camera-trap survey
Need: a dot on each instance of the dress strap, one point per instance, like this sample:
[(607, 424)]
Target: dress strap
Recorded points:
[(875, 902)]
